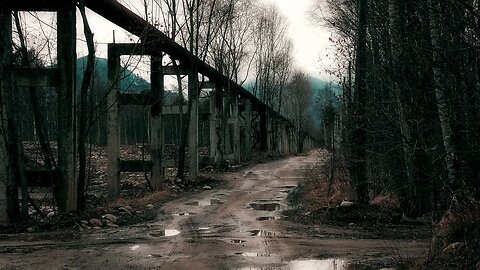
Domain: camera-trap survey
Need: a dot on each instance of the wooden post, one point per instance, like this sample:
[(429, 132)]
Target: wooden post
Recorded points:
[(113, 125), (193, 128), (213, 127), (156, 129), (67, 57), (236, 129), (248, 128)]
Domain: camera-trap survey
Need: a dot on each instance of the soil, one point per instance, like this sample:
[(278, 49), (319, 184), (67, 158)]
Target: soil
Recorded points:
[(237, 223)]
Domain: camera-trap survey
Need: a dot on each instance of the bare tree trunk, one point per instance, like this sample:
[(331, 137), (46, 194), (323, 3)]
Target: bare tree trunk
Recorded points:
[(358, 170), (440, 93), (82, 123)]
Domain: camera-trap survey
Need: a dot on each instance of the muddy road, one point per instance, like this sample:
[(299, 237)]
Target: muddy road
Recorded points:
[(236, 227)]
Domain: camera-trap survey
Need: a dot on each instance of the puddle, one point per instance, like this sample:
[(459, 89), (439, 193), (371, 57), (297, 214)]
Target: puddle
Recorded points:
[(261, 233), (267, 218), (269, 200), (268, 206), (307, 264), (330, 264), (237, 241), (182, 214), (288, 187), (252, 254), (205, 202), (165, 233)]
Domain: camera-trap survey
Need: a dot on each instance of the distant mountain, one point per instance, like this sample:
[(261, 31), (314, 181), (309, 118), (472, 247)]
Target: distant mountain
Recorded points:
[(130, 82)]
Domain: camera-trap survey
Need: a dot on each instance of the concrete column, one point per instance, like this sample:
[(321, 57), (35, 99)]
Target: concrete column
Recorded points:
[(67, 58), (248, 128), (213, 123), (236, 129), (284, 139), (193, 128), (113, 125), (156, 128), (263, 129)]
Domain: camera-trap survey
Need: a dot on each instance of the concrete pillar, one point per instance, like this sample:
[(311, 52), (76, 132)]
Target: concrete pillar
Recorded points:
[(193, 128), (248, 128), (156, 128), (113, 125), (236, 129), (213, 125), (67, 58), (263, 129), (284, 139)]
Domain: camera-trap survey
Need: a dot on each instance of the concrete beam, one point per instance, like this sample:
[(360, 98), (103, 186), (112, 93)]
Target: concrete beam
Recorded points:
[(213, 154), (174, 71)]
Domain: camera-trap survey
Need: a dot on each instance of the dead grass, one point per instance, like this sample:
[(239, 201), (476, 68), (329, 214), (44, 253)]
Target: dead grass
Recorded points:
[(456, 241)]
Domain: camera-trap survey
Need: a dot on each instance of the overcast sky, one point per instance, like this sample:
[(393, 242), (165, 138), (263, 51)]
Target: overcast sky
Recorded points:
[(311, 41)]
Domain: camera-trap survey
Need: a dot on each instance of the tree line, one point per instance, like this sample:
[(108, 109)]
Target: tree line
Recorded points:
[(410, 71)]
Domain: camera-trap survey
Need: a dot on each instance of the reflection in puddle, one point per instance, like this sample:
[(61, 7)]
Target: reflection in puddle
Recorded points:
[(205, 202), (330, 264), (268, 206), (165, 233), (237, 241), (182, 214), (261, 233)]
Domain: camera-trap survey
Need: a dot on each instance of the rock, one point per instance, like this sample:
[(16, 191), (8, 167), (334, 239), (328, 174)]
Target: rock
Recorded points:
[(453, 247), (30, 229), (125, 210), (50, 214), (207, 187), (346, 204), (110, 218), (95, 222), (178, 180), (96, 228), (150, 206), (111, 224), (351, 224), (84, 222), (128, 207)]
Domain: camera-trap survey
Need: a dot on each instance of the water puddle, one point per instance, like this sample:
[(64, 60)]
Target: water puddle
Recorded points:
[(252, 254), (261, 233), (267, 218), (268, 206), (205, 202), (237, 241), (307, 264), (182, 214), (288, 187), (166, 233)]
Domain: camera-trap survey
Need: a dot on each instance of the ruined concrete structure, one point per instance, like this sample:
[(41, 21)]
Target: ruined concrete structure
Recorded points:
[(238, 121)]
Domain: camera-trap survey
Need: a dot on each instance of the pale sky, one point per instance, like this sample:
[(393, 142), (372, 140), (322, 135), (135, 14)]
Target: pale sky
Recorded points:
[(310, 40)]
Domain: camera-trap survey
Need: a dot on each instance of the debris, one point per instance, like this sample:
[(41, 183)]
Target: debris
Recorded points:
[(207, 187), (96, 222), (110, 218)]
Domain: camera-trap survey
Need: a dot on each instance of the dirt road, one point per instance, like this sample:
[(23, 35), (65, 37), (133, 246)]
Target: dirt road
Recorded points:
[(237, 227)]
